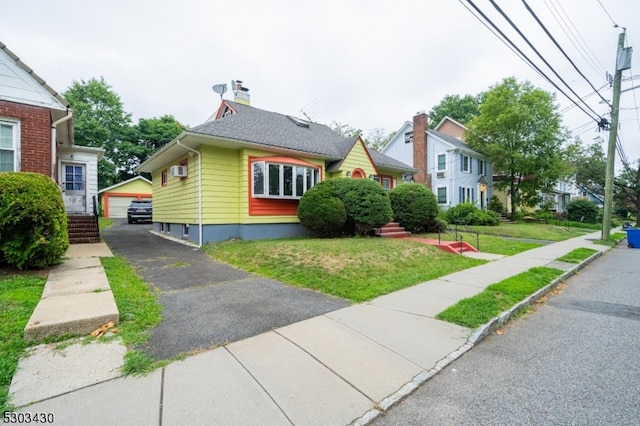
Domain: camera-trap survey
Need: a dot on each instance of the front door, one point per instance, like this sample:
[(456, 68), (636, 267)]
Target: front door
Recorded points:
[(74, 188)]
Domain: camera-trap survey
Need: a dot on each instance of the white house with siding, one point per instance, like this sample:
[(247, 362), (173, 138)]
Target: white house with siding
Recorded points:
[(447, 165)]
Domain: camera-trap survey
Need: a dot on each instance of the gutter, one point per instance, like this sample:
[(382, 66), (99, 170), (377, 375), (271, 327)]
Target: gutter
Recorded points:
[(199, 190), (54, 146)]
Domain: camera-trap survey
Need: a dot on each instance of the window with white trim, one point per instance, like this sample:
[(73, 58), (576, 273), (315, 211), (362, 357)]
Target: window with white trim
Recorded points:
[(465, 163), (481, 167), (442, 194), (442, 162), (9, 147), (274, 180)]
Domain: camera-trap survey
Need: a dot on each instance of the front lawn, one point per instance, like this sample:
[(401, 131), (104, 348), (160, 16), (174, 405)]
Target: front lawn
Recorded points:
[(356, 269), (534, 231)]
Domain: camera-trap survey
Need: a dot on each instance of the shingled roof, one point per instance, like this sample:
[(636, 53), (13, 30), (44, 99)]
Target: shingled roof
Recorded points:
[(271, 129)]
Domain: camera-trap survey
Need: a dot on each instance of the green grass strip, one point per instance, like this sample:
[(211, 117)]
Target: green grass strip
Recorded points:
[(139, 312), (19, 295), (496, 298), (577, 255)]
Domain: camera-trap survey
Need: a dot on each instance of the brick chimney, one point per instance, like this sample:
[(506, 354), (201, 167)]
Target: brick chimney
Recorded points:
[(420, 148)]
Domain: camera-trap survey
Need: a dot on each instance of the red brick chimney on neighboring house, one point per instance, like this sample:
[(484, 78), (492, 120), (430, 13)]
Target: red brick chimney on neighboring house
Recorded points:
[(420, 149)]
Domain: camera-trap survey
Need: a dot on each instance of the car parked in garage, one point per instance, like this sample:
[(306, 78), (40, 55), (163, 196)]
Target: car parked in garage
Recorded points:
[(139, 211)]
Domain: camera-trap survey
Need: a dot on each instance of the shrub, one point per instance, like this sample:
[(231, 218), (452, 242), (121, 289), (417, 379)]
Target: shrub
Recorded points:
[(468, 214), (321, 211), (414, 206), (366, 202), (33, 221), (495, 205), (582, 211)]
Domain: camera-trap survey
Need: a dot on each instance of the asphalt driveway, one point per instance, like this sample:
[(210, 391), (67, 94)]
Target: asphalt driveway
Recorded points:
[(205, 302)]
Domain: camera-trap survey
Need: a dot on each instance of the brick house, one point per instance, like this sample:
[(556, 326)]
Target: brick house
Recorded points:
[(36, 134)]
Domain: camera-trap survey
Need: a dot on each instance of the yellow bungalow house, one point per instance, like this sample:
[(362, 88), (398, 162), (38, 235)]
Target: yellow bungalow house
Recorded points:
[(242, 173)]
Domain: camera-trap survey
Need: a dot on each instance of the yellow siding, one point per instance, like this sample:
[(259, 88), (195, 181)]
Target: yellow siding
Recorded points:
[(221, 186), (137, 186), (177, 202), (358, 158)]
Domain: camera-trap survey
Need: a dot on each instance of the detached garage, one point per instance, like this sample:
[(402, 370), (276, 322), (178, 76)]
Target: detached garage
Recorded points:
[(115, 199)]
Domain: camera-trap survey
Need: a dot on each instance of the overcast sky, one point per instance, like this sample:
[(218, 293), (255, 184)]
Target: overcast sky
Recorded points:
[(369, 64)]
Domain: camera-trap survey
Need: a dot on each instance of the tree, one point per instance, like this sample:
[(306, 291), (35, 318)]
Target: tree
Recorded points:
[(377, 139), (462, 109), (149, 135), (627, 190), (101, 122), (590, 164), (345, 130), (519, 128)]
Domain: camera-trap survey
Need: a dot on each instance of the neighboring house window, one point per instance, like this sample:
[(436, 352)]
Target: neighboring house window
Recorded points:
[(442, 162), (386, 183), (282, 180), (481, 167), (9, 148), (442, 194), (466, 195), (408, 137), (163, 179), (465, 163)]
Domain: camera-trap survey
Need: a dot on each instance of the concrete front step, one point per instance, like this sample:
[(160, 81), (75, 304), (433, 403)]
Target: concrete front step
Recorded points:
[(77, 297)]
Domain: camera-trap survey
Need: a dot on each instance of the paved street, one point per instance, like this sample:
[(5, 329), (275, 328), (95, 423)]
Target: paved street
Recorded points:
[(574, 361)]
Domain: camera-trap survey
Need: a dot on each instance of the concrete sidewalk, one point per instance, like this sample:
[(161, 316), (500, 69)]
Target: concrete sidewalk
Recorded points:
[(343, 367)]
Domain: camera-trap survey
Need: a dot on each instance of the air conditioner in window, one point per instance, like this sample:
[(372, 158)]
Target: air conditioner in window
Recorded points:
[(178, 171)]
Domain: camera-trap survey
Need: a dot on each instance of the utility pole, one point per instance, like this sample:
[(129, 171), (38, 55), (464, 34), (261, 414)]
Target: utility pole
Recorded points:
[(611, 149)]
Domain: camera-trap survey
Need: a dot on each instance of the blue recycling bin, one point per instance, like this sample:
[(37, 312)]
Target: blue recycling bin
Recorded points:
[(633, 237)]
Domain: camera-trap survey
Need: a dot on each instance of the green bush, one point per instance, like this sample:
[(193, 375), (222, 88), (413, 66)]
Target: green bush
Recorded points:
[(495, 205), (33, 221), (582, 211), (468, 214), (322, 212), (366, 202), (414, 206)]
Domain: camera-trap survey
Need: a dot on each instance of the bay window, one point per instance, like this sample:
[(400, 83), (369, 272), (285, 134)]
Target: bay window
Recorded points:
[(275, 180)]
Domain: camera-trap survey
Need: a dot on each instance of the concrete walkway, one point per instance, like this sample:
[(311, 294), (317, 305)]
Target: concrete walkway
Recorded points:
[(77, 297), (346, 366)]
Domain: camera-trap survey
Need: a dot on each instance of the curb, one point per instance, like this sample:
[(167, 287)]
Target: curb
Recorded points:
[(476, 337)]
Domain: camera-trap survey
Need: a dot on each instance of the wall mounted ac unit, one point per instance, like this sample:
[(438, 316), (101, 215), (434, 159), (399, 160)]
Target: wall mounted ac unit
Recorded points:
[(178, 171), (440, 175)]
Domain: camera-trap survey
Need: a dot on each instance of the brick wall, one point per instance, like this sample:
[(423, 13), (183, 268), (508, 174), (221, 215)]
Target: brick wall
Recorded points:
[(35, 135), (420, 148)]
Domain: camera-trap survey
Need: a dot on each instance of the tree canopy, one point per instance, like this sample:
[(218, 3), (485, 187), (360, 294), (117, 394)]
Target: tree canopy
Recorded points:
[(460, 108), (627, 190), (520, 129), (102, 122)]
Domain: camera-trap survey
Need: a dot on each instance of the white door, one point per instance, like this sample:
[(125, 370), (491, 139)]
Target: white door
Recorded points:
[(74, 188)]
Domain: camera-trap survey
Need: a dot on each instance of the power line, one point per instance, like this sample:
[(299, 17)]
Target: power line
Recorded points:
[(581, 47), (504, 15), (526, 59), (605, 11), (544, 28)]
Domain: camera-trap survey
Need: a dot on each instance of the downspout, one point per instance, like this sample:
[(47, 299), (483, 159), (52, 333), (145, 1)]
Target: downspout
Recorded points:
[(54, 146), (199, 190)]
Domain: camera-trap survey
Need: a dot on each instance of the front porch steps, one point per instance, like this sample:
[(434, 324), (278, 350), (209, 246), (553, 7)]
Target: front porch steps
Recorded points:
[(82, 228), (392, 230)]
